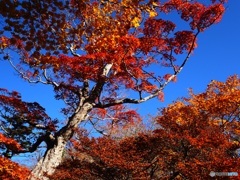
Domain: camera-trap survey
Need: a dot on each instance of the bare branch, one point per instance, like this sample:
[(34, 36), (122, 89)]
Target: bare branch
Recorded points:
[(152, 76), (98, 130), (23, 75), (3, 128), (39, 80), (49, 81), (73, 51), (171, 61)]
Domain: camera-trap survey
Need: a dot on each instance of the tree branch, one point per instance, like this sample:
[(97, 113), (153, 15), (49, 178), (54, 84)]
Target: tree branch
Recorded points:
[(98, 130), (48, 138), (73, 51), (160, 89), (97, 89), (39, 80)]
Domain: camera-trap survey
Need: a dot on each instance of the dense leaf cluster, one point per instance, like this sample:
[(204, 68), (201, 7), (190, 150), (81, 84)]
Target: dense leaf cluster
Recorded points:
[(193, 137)]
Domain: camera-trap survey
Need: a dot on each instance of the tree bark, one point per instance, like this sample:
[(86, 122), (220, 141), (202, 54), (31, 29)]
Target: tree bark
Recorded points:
[(54, 155), (49, 161)]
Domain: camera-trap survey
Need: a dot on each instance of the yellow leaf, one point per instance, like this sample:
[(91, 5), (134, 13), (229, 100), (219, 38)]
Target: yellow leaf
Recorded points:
[(155, 4), (135, 22), (152, 14)]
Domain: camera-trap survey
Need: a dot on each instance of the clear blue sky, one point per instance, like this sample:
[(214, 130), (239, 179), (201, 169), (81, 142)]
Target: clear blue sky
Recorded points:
[(216, 57)]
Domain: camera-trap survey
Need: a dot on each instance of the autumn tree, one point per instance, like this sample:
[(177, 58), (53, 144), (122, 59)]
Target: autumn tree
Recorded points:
[(193, 137), (89, 52), (203, 132)]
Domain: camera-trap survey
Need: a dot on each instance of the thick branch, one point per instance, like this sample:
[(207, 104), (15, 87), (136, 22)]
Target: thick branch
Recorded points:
[(97, 89), (85, 89), (80, 115), (48, 138), (127, 100)]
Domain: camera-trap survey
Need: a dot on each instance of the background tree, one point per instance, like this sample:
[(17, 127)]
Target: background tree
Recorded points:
[(27, 123), (90, 51), (193, 137)]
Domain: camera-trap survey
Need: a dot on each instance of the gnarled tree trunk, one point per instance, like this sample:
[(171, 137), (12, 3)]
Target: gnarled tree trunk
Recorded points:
[(51, 160), (54, 155)]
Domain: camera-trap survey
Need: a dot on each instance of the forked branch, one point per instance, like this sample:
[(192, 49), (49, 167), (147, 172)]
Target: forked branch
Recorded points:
[(160, 89)]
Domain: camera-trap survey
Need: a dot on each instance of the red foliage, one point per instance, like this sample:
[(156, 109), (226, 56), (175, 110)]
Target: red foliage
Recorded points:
[(9, 143), (161, 96)]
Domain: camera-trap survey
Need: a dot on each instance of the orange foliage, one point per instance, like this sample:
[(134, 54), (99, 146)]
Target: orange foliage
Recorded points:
[(201, 133), (10, 170), (186, 144)]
